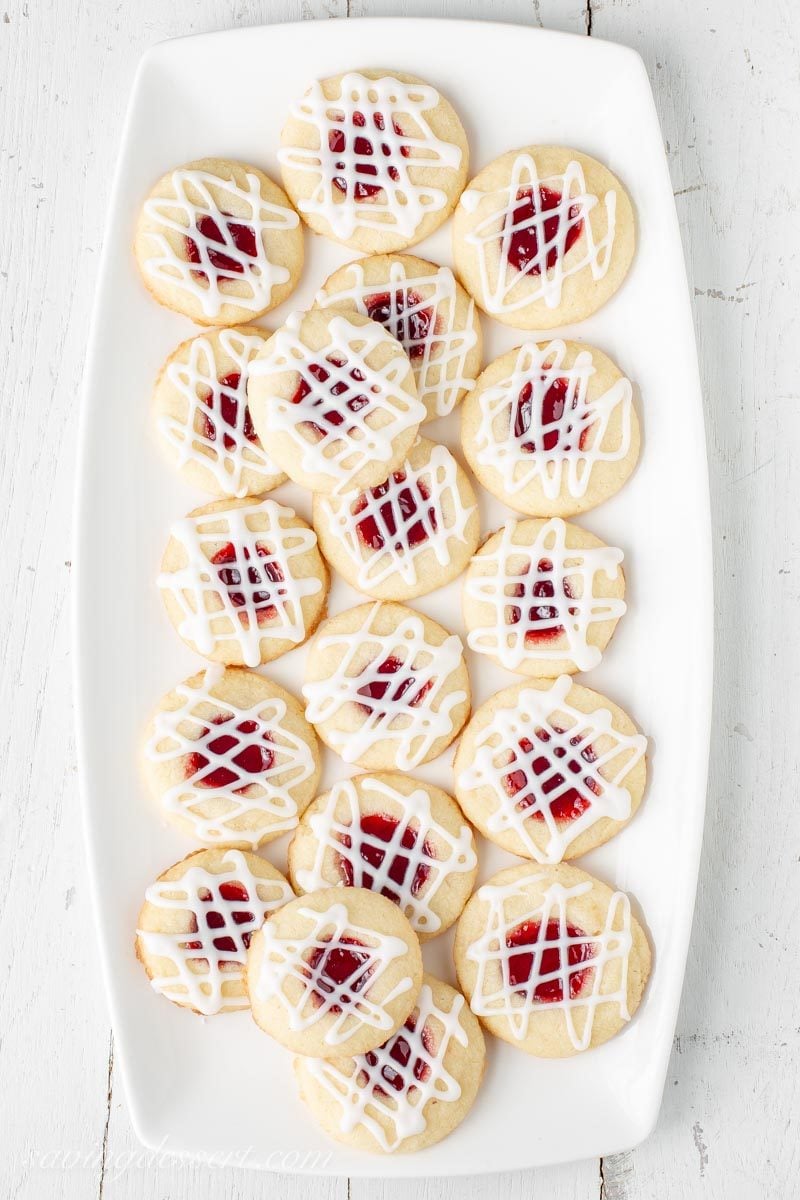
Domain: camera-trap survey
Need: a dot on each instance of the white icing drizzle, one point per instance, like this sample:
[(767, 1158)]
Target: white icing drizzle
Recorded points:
[(198, 381), (500, 447), (345, 449), (401, 204), (198, 892), (269, 795), (287, 959), (439, 477), (365, 1086), (181, 215), (495, 995), (438, 359), (496, 586), (413, 729), (339, 832), (497, 282), (198, 583), (569, 734)]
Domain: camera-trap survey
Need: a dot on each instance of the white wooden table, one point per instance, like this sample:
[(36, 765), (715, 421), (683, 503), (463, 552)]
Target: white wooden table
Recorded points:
[(725, 74)]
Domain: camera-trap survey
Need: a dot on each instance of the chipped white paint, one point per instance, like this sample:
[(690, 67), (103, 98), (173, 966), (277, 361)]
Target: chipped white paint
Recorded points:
[(726, 91)]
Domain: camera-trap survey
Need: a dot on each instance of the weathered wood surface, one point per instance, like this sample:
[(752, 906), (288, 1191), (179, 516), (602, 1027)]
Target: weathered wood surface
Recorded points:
[(725, 73)]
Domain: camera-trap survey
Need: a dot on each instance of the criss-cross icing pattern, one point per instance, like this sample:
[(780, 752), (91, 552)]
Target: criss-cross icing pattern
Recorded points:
[(421, 846), (306, 960), (564, 577), (369, 140), (527, 437), (219, 247), (386, 529), (335, 436), (215, 431), (421, 313), (245, 590), (388, 1090), (564, 965), (547, 267), (404, 704), (214, 752), (226, 908), (562, 738)]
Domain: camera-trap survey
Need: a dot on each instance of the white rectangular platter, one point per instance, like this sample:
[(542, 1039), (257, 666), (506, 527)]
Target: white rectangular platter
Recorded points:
[(219, 1086)]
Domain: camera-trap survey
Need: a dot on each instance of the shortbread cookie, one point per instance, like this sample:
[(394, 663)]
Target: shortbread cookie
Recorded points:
[(219, 242), (550, 770), (335, 972), (243, 580), (394, 835), (386, 687), (551, 428), (201, 414), (374, 159), (551, 959), (429, 313), (543, 236), (407, 536), (543, 597), (333, 396), (231, 758), (196, 923), (413, 1090)]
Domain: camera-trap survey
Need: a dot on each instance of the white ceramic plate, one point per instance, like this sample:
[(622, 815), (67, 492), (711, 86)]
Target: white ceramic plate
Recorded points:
[(220, 1086)]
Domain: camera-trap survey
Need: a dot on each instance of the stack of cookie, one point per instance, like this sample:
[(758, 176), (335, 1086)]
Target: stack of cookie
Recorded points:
[(329, 959)]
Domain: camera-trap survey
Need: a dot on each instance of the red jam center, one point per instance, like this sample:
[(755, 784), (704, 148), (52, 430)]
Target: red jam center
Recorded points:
[(227, 413), (543, 589), (363, 147), (523, 249), (396, 512), (231, 576), (385, 689), (520, 966), (553, 403), (229, 890), (570, 803), (411, 328), (380, 827), (334, 967), (242, 236), (399, 1050), (252, 759), (331, 416)]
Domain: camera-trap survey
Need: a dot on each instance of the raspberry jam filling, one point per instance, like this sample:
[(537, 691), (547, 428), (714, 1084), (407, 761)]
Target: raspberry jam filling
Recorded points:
[(396, 511), (334, 416), (229, 890), (570, 803), (521, 966), (386, 690), (399, 1051), (523, 248), (333, 968), (363, 147), (380, 827), (553, 403), (252, 759), (227, 413), (404, 318), (231, 576), (538, 614), (242, 236)]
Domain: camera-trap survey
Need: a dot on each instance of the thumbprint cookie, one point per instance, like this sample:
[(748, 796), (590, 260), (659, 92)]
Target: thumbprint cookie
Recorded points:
[(543, 236), (374, 159), (219, 242)]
